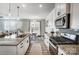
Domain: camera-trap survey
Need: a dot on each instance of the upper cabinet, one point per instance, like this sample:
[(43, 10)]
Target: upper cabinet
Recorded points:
[(74, 11), (50, 21), (62, 8)]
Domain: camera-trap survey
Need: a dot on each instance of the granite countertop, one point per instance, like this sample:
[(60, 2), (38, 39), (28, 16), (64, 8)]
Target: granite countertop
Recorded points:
[(70, 49), (11, 41)]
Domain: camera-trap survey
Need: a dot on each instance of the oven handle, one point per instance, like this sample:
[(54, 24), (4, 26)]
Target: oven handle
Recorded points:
[(55, 46)]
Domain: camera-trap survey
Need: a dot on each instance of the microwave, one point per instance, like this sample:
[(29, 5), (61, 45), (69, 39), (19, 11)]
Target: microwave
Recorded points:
[(63, 21)]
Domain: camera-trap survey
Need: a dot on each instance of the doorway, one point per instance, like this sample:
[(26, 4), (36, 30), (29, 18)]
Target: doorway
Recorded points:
[(34, 29)]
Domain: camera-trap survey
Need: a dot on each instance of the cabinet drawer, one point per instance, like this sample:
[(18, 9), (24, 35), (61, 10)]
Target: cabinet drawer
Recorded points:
[(20, 48), (23, 46)]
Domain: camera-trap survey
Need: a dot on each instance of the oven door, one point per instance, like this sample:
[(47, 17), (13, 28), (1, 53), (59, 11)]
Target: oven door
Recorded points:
[(53, 49)]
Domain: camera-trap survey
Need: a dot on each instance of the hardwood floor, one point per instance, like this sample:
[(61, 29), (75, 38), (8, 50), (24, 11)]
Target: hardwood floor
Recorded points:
[(37, 47)]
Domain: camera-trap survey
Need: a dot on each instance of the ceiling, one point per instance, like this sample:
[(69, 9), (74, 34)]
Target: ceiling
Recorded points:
[(27, 10)]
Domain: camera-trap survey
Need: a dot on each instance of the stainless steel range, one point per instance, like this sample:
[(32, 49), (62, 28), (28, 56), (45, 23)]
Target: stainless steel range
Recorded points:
[(65, 38)]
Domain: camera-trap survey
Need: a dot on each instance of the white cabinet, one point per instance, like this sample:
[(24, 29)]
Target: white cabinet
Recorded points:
[(47, 44), (26, 44), (74, 20), (50, 21), (8, 50), (46, 40), (62, 8), (19, 49), (23, 46)]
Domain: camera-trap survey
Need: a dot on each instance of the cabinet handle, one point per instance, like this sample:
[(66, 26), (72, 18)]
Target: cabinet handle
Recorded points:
[(21, 43), (58, 13), (27, 41), (21, 47)]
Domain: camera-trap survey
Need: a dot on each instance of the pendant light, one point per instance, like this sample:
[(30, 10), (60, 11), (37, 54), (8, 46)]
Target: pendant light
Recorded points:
[(18, 12), (9, 14)]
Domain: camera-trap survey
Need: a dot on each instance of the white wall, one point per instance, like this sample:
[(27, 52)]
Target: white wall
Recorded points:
[(25, 25), (10, 25), (1, 26), (42, 27)]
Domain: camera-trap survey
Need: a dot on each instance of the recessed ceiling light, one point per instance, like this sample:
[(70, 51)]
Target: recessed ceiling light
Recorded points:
[(23, 5), (40, 5)]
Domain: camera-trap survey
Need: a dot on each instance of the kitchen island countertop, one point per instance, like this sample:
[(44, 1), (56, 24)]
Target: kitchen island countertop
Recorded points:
[(11, 41)]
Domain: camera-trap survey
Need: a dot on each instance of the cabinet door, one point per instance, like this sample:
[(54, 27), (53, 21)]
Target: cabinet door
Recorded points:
[(23, 46), (58, 10), (62, 8), (20, 48), (65, 8), (26, 44), (47, 41)]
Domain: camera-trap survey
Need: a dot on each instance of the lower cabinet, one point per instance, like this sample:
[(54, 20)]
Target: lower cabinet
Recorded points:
[(46, 41), (26, 45), (8, 50), (23, 46), (20, 49), (47, 44)]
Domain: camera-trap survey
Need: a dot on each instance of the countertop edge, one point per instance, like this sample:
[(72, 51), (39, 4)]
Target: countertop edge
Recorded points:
[(15, 43)]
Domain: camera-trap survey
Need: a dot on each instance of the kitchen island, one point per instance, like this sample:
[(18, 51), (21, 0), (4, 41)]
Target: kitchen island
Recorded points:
[(14, 46)]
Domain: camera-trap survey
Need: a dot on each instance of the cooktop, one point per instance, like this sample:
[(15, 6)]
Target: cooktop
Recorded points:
[(61, 40)]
